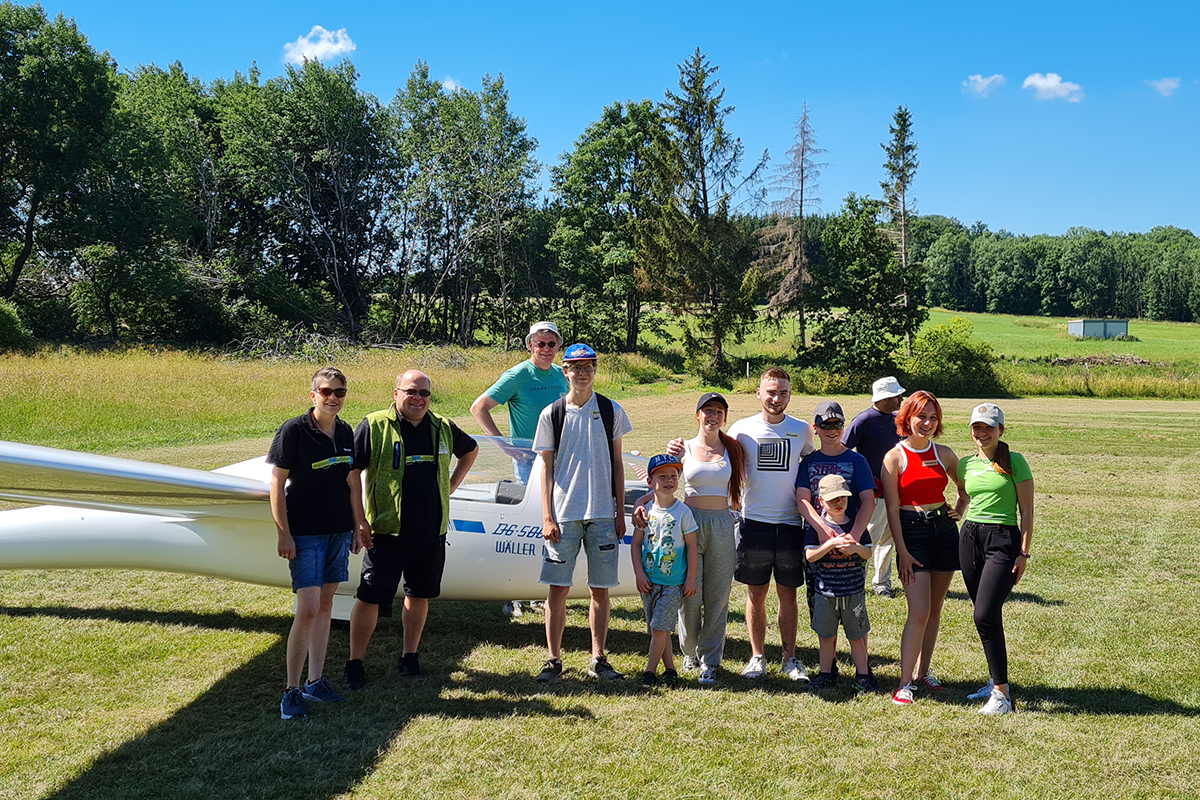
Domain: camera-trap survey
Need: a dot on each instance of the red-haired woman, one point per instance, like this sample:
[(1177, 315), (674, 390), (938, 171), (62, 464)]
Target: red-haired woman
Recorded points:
[(914, 476)]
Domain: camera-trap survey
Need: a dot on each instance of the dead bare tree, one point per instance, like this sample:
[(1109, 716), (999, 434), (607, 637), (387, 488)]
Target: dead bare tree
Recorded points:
[(781, 246)]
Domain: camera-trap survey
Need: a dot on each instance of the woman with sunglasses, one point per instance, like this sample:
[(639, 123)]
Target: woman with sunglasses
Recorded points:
[(994, 542), (914, 476), (313, 485)]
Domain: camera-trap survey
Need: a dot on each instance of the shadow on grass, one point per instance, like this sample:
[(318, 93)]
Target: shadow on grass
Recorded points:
[(1073, 700), (230, 742), (1015, 597)]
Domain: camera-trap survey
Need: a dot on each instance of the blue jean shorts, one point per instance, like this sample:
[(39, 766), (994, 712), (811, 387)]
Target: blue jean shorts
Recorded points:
[(320, 560), (598, 538)]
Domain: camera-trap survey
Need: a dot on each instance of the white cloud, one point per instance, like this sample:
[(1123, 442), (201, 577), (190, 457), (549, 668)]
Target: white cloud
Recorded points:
[(319, 45), (977, 84), (1165, 86), (1051, 86), (451, 85)]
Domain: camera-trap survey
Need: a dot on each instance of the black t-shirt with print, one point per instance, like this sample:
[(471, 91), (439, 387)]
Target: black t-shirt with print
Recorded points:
[(317, 493)]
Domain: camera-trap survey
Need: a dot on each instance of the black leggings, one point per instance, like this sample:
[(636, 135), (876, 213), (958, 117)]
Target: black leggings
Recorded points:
[(987, 554)]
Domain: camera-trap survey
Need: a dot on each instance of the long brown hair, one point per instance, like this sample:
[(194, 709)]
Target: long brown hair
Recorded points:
[(1003, 458), (737, 461)]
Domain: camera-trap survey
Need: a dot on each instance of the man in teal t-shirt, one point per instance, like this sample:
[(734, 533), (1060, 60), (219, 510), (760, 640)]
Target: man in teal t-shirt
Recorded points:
[(526, 388)]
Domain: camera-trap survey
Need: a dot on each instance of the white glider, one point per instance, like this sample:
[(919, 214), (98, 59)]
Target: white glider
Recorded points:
[(108, 512)]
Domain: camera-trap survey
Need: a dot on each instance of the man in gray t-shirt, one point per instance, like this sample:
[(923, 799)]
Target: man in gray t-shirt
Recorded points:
[(583, 505)]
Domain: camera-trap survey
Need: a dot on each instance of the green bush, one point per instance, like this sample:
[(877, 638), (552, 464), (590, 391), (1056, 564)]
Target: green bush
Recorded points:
[(947, 360), (13, 333)]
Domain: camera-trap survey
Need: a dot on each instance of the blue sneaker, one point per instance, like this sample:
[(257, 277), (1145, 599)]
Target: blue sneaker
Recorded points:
[(292, 705), (322, 692)]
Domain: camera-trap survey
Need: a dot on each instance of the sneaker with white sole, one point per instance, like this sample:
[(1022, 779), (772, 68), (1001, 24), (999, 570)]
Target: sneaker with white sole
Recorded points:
[(292, 704), (690, 664), (321, 691), (512, 608), (794, 670), (931, 683), (904, 695), (602, 670), (983, 692), (997, 704), (708, 675), (757, 668)]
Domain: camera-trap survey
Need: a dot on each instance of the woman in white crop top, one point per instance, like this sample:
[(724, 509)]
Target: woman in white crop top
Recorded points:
[(712, 479)]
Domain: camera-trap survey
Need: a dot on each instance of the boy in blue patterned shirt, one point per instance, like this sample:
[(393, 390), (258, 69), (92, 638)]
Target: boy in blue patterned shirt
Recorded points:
[(664, 564), (838, 573)]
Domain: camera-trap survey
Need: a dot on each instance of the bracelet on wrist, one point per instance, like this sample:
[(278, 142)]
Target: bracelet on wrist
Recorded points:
[(1027, 556)]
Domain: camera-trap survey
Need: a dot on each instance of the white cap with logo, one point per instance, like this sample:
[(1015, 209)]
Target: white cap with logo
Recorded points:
[(988, 414), (538, 327)]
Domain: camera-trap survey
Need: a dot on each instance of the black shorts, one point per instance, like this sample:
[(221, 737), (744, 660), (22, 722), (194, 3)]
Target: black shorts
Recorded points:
[(930, 537), (763, 547), (391, 558)]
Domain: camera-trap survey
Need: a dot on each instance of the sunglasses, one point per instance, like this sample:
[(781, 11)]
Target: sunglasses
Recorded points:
[(548, 345), (417, 392), (329, 391), (830, 425)]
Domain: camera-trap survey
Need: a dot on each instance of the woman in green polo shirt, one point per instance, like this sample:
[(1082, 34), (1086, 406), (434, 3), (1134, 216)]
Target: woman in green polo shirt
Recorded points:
[(994, 541)]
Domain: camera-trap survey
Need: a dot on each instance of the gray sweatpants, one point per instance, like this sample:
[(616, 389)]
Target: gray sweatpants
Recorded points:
[(704, 615)]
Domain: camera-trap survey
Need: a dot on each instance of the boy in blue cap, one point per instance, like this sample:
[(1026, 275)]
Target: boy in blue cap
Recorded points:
[(664, 564)]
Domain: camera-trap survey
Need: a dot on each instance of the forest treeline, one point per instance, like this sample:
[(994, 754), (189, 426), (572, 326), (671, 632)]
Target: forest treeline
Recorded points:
[(147, 204)]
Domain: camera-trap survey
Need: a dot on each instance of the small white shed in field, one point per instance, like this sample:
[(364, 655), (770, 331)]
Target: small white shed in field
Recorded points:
[(1098, 328)]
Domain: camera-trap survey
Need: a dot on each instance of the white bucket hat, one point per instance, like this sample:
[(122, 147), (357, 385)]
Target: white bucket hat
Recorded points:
[(884, 388)]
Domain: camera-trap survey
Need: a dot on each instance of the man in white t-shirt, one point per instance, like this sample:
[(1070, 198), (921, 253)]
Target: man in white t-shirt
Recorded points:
[(771, 535), (578, 441)]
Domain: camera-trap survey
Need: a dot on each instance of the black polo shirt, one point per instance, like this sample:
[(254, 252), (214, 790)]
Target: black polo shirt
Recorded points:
[(420, 500), (317, 493)]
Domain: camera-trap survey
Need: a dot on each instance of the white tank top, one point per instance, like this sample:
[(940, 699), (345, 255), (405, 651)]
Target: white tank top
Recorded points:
[(705, 478)]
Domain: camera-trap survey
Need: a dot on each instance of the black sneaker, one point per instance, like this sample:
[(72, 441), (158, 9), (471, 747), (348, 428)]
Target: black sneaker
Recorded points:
[(551, 670), (826, 680), (670, 678), (408, 666), (355, 676), (649, 678), (292, 704), (866, 684), (601, 669)]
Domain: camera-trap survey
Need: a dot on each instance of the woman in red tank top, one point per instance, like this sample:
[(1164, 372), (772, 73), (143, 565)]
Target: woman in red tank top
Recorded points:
[(914, 476)]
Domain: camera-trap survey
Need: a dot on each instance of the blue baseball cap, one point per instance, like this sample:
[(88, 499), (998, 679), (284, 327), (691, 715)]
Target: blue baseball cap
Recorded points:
[(579, 352), (663, 460)]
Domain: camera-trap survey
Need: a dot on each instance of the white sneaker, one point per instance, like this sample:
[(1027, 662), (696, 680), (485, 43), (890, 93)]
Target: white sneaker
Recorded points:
[(795, 670), (983, 692), (708, 675), (690, 664), (996, 705), (757, 668), (512, 608), (904, 695)]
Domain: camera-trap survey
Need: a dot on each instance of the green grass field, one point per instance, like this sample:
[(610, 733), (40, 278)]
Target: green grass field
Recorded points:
[(124, 685)]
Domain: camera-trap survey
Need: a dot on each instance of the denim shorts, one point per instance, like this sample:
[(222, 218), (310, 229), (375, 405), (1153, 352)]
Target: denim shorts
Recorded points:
[(599, 539), (662, 604), (320, 560), (931, 538)]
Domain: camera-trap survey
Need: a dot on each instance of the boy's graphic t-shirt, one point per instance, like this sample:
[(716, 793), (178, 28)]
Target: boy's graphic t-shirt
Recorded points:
[(663, 551), (837, 574)]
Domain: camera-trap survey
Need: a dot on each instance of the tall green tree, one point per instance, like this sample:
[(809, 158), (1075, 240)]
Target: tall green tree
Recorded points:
[(901, 166), (607, 187), (858, 294), (695, 253), (783, 254), (56, 100)]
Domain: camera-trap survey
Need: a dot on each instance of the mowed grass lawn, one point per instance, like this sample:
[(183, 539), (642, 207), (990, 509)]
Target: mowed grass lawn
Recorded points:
[(123, 684)]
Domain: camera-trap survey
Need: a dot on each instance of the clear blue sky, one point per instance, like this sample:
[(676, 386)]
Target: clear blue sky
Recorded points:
[(1095, 123)]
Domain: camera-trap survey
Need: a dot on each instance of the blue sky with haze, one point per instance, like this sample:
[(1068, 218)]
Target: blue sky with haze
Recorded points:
[(1034, 117)]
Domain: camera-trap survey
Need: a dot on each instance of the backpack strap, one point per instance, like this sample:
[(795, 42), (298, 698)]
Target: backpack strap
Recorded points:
[(558, 415)]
